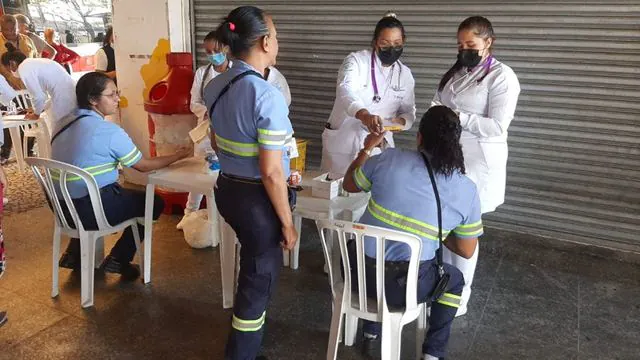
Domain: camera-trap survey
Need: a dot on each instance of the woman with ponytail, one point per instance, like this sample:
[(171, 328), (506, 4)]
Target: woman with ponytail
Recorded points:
[(403, 198), (484, 93), (375, 90)]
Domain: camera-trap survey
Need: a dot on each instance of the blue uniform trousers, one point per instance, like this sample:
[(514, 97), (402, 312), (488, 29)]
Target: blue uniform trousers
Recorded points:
[(245, 206)]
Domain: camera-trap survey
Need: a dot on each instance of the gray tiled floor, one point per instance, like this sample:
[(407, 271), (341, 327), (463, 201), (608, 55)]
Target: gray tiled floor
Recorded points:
[(529, 302)]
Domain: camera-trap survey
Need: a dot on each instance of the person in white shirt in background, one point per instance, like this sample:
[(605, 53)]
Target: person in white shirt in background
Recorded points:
[(44, 79), (374, 90), (24, 25), (484, 93), (7, 94), (218, 57)]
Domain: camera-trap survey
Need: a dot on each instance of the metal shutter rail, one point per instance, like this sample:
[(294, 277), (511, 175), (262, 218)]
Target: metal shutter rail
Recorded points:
[(574, 162)]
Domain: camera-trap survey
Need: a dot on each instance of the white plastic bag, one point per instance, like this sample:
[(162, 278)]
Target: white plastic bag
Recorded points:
[(197, 230)]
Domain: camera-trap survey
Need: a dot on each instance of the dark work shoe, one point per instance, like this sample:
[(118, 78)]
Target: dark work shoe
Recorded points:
[(372, 347), (128, 270), (261, 357), (3, 318), (69, 260)]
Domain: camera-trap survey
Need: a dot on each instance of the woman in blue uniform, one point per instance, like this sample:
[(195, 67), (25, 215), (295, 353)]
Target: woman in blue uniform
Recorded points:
[(249, 128), (403, 198)]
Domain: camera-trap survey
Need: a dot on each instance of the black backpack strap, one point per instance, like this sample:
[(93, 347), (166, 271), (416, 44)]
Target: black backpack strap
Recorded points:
[(67, 126), (226, 88)]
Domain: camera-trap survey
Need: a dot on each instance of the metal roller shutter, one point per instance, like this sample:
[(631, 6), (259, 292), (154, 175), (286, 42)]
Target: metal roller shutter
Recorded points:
[(574, 162)]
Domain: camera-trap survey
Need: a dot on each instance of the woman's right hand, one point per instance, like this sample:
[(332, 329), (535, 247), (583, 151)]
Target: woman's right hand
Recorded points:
[(289, 237), (372, 122)]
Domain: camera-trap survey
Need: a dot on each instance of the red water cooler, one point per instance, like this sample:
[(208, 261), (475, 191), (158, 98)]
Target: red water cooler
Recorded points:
[(170, 118)]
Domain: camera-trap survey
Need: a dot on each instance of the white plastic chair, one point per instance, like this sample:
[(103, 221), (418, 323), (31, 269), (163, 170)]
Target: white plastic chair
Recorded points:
[(357, 305), (39, 131), (91, 241)]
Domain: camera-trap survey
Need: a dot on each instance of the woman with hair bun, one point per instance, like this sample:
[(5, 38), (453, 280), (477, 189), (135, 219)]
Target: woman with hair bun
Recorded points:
[(374, 90), (484, 93)]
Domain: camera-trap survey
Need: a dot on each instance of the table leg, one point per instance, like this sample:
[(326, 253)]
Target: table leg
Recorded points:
[(227, 263), (17, 146), (148, 231), (295, 253), (212, 212)]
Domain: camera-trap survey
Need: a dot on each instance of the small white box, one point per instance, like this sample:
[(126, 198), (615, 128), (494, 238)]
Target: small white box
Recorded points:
[(325, 189)]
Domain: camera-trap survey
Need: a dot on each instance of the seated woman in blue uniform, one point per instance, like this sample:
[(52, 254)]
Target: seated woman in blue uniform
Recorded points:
[(402, 198), (90, 142)]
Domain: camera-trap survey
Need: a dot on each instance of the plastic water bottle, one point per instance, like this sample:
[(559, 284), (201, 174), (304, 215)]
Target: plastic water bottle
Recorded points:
[(212, 159)]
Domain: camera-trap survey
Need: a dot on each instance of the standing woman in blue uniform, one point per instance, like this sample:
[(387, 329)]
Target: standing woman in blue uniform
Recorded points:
[(249, 128)]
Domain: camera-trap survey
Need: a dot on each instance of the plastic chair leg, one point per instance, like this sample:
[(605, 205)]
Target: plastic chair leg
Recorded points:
[(56, 255), (99, 253), (391, 338), (421, 330), (87, 260), (136, 240), (351, 328), (335, 331)]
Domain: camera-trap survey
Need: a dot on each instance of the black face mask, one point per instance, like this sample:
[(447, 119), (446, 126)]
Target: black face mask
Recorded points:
[(389, 55), (469, 57)]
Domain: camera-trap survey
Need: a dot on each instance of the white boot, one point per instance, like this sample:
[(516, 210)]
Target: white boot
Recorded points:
[(468, 269)]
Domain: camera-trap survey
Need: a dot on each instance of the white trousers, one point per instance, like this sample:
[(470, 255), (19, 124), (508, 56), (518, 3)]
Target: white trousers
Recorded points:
[(468, 269)]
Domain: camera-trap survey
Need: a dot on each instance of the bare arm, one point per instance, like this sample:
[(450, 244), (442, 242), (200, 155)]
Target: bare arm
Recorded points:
[(463, 247), (158, 162)]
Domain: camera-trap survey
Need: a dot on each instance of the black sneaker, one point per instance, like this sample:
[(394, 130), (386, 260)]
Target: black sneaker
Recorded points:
[(3, 318), (128, 271), (261, 357), (69, 260), (372, 347)]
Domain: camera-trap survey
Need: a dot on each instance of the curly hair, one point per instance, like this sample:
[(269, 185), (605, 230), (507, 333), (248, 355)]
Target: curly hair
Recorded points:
[(440, 129)]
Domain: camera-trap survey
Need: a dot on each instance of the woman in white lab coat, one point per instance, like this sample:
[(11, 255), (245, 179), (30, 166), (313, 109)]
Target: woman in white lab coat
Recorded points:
[(217, 54), (374, 90), (484, 92), (44, 79)]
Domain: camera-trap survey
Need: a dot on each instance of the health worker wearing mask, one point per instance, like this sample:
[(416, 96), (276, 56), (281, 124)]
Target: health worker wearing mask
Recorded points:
[(375, 91), (484, 93)]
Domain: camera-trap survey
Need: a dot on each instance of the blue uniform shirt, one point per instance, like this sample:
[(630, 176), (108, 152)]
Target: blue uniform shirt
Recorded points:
[(95, 145), (253, 114), (402, 199)]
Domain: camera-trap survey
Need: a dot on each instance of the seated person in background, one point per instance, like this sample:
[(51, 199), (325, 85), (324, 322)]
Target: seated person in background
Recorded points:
[(98, 146), (402, 198)]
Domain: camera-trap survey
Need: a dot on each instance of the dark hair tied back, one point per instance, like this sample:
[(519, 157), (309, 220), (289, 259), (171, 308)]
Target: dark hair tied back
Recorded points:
[(12, 54), (242, 28), (440, 130), (481, 27), (389, 21), (90, 87)]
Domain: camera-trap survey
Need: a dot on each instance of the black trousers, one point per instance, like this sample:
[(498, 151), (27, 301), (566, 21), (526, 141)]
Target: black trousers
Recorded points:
[(119, 205), (5, 151)]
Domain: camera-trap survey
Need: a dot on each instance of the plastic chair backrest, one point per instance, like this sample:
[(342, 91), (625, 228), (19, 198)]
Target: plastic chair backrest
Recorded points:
[(59, 173), (381, 235), (24, 100)]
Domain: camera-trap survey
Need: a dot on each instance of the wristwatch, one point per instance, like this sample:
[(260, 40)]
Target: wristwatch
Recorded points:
[(367, 151)]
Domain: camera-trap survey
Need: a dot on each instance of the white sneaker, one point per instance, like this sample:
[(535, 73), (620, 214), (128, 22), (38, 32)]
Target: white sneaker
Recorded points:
[(462, 310), (429, 357)]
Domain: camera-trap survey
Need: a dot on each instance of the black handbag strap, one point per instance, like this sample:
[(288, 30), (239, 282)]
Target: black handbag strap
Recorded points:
[(439, 261), (67, 126), (226, 88)]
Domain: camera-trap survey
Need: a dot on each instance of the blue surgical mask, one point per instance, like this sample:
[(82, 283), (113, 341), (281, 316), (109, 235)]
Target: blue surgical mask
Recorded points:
[(217, 59)]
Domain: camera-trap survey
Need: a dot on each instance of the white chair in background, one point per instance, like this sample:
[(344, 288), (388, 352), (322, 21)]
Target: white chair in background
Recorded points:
[(91, 241), (356, 305), (39, 131)]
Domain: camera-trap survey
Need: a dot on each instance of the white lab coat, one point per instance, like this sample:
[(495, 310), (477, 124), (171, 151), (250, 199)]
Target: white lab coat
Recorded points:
[(199, 108), (486, 110), (45, 78), (354, 91)]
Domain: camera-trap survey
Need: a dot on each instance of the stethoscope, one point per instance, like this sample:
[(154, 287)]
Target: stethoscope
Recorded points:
[(376, 95), (486, 69)]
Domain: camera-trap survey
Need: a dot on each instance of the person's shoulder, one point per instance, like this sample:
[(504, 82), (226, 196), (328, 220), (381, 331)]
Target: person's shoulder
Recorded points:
[(359, 56), (505, 71)]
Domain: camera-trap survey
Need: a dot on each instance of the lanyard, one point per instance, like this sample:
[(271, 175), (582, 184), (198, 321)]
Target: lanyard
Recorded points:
[(376, 95), (487, 68)]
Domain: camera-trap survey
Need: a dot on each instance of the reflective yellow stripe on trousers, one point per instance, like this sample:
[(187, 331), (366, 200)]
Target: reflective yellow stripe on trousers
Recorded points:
[(450, 300), (248, 325)]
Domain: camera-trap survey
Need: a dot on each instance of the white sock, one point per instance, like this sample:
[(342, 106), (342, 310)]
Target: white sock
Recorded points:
[(370, 336), (429, 357)]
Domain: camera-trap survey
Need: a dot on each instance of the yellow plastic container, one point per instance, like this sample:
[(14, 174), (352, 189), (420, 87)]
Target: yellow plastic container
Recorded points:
[(298, 163)]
